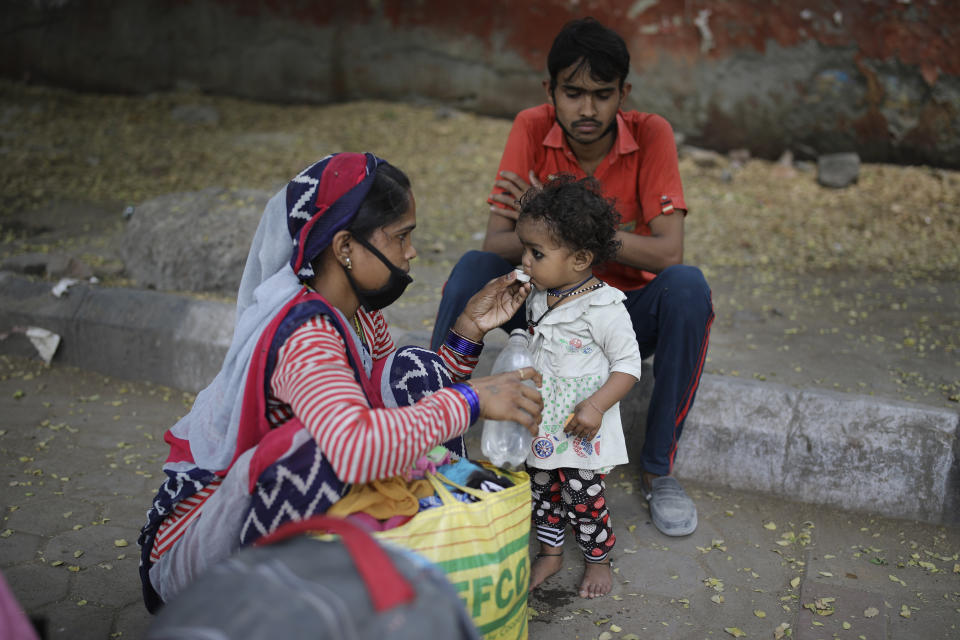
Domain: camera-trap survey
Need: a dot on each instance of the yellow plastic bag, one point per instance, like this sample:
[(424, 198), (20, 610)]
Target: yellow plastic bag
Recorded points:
[(482, 547)]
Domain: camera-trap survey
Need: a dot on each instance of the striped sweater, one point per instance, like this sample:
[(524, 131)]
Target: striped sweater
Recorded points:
[(314, 381)]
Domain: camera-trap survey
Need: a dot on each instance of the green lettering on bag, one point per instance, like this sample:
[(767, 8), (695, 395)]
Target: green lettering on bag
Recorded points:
[(480, 594), (503, 600), (518, 610), (521, 573)]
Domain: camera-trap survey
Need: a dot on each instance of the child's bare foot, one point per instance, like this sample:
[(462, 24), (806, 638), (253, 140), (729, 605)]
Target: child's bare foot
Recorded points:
[(597, 579), (545, 565)]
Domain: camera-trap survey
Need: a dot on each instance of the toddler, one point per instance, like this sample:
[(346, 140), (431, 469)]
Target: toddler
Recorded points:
[(583, 343)]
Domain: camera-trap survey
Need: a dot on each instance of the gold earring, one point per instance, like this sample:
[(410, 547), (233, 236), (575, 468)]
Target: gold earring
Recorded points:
[(349, 264)]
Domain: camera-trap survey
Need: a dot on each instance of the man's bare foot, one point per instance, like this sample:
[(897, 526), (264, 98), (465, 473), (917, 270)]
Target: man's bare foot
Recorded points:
[(597, 579), (545, 565)]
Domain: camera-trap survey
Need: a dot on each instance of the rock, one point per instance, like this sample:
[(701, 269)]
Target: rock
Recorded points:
[(61, 266), (784, 167), (31, 264), (838, 170), (739, 157), (49, 265), (193, 241), (704, 157), (196, 114)]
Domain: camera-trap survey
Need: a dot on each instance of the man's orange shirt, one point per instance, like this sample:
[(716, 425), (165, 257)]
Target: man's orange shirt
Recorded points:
[(640, 172)]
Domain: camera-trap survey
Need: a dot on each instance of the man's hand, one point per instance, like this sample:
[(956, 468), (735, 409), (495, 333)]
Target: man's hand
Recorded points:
[(493, 305), (514, 187)]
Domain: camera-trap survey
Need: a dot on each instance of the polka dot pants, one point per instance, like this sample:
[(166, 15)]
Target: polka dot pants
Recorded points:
[(575, 497)]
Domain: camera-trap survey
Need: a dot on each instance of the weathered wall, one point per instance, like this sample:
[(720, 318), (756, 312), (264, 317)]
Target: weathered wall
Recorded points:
[(881, 77)]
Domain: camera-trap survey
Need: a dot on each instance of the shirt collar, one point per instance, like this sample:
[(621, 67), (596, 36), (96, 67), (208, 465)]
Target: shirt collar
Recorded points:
[(625, 144)]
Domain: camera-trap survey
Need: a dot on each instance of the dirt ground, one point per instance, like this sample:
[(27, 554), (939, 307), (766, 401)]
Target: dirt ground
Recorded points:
[(852, 289)]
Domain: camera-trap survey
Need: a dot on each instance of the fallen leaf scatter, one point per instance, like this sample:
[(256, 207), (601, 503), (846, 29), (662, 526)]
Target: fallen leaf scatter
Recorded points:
[(821, 606)]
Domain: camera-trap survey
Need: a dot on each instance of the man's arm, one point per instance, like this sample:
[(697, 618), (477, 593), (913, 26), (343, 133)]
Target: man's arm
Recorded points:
[(501, 237), (514, 176), (661, 249), (659, 189)]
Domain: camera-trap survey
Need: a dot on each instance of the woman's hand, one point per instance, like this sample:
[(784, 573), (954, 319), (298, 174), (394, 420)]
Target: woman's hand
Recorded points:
[(506, 397), (490, 307), (585, 420)]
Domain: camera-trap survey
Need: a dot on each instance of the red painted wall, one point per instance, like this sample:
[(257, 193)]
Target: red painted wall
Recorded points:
[(881, 77)]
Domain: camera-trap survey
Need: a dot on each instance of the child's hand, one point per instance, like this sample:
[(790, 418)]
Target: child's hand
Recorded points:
[(584, 421)]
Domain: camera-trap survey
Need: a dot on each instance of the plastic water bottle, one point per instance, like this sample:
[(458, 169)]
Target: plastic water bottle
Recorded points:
[(506, 443)]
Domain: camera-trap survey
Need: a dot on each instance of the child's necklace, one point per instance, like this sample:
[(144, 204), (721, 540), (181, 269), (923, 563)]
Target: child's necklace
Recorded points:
[(532, 324), (567, 292)]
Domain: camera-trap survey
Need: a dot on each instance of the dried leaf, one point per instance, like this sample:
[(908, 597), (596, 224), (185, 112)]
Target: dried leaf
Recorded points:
[(120, 543), (771, 526), (760, 614), (870, 612), (736, 632), (904, 611)]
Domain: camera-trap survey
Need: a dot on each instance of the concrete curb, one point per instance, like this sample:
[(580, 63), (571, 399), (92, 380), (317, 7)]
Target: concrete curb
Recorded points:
[(850, 451)]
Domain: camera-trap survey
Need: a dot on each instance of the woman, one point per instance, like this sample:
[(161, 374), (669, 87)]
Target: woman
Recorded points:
[(296, 415)]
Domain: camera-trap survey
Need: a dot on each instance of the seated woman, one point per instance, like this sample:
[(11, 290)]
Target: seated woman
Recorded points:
[(297, 414)]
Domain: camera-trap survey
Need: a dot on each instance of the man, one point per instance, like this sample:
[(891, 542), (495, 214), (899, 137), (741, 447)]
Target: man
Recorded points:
[(583, 131)]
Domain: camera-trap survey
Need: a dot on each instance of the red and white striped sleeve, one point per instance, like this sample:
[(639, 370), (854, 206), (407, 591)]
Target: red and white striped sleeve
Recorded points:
[(460, 366), (374, 325), (362, 444)]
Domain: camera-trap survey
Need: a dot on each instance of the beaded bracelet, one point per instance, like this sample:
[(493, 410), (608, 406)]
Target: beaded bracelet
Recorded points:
[(461, 345), (472, 398)]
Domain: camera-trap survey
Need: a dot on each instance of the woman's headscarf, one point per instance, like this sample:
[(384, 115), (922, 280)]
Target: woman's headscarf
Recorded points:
[(298, 223)]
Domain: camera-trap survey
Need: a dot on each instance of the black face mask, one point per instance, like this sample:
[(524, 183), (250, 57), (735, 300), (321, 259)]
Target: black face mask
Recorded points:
[(376, 299)]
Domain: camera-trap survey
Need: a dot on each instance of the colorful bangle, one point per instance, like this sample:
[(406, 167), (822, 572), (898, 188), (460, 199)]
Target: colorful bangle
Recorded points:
[(472, 398), (461, 345)]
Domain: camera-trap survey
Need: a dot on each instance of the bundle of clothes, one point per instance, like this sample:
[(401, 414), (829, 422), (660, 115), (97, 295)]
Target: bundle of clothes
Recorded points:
[(385, 504)]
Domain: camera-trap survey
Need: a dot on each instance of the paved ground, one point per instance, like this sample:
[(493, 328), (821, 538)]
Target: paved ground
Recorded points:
[(81, 452)]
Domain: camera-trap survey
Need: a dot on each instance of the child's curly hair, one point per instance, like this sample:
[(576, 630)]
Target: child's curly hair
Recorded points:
[(576, 214)]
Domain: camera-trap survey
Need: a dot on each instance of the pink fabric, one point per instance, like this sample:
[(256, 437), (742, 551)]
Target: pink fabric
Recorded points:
[(14, 623), (368, 522)]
